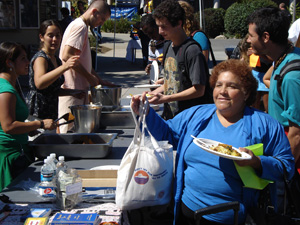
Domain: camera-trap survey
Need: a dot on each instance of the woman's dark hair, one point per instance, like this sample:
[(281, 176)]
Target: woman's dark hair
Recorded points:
[(45, 24), (243, 71), (9, 50), (171, 10)]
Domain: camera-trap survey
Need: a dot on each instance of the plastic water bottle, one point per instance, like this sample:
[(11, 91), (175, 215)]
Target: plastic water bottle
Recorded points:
[(53, 162), (61, 165), (53, 155), (47, 187)]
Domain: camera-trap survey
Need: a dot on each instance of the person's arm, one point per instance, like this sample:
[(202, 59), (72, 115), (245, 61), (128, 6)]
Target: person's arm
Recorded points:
[(294, 139), (103, 82), (42, 79), (206, 54), (68, 53), (8, 120), (195, 91), (267, 76)]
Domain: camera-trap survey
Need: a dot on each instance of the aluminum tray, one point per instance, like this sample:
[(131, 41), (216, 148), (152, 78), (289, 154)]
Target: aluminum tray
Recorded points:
[(120, 117), (74, 145)]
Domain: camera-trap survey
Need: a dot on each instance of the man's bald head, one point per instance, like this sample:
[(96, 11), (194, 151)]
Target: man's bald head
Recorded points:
[(101, 6)]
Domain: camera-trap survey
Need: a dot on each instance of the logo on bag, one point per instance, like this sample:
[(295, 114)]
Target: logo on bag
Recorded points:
[(141, 177)]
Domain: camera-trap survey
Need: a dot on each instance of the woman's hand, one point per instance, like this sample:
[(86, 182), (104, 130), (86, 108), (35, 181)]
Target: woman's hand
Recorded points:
[(72, 62), (49, 124), (135, 102), (254, 162)]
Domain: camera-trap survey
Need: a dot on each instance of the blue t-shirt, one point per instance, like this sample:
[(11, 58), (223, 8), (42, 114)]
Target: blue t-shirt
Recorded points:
[(202, 40), (222, 170), (288, 110)]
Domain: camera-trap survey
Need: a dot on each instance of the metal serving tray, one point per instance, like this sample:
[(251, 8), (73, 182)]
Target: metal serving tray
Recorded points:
[(120, 118), (74, 145)]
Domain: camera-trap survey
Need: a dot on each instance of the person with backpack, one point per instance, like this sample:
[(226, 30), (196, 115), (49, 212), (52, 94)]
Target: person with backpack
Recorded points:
[(268, 35), (186, 73), (193, 30)]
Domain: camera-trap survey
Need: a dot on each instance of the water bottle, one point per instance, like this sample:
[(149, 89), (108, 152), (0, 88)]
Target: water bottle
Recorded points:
[(53, 155), (61, 165), (53, 163), (47, 187)]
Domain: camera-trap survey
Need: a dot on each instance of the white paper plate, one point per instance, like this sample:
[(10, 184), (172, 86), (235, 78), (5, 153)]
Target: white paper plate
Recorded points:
[(209, 143), (106, 167), (154, 71), (148, 86)]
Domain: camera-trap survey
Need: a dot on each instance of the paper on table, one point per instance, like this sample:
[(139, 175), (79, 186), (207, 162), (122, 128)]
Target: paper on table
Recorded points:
[(247, 173)]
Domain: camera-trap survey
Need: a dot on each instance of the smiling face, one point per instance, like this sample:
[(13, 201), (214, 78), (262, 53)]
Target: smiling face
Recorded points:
[(257, 43), (51, 39), (21, 64), (229, 96)]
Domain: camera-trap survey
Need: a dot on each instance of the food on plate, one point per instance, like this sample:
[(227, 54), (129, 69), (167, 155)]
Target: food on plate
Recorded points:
[(149, 96), (226, 149)]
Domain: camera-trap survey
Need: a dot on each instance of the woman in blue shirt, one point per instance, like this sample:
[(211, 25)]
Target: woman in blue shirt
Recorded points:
[(203, 179)]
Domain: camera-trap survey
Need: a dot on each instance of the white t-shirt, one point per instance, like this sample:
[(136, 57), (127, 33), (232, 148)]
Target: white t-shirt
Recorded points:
[(294, 31)]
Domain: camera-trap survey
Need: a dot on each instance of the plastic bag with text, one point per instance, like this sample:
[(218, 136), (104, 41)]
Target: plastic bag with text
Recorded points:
[(146, 170)]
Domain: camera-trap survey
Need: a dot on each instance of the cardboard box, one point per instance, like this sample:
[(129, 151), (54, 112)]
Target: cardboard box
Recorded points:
[(98, 178)]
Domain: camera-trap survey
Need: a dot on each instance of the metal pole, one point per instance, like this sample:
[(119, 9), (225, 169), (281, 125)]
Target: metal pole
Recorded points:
[(200, 12), (294, 11), (96, 61), (115, 29)]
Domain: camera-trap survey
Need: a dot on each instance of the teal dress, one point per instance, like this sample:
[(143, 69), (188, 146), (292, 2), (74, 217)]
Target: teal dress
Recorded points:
[(12, 146)]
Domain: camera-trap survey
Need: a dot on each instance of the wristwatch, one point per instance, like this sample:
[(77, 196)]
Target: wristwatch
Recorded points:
[(42, 124)]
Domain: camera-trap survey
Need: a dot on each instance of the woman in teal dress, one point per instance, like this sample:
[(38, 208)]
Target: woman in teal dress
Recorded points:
[(15, 155)]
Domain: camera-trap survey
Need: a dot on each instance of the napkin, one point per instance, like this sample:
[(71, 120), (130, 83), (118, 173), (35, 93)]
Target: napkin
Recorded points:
[(248, 174)]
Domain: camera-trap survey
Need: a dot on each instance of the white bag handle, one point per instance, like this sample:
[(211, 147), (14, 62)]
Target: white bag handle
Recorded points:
[(139, 133)]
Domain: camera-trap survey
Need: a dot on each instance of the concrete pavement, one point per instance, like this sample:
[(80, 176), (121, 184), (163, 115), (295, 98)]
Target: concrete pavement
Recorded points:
[(112, 65)]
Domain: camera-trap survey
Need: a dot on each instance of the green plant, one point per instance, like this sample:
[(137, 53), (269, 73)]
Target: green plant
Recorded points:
[(236, 15), (213, 21), (291, 9), (122, 26)]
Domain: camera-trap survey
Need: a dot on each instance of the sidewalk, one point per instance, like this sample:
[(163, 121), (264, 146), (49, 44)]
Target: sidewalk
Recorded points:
[(112, 65)]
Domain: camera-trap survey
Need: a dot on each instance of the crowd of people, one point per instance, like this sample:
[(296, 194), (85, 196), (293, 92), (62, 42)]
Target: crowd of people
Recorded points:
[(224, 106)]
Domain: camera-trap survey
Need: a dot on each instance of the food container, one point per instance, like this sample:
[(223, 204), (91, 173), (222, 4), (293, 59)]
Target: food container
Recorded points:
[(119, 118), (72, 145), (87, 117), (107, 96)]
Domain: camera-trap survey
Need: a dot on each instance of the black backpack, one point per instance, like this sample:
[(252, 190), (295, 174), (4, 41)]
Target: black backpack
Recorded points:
[(207, 98), (292, 65)]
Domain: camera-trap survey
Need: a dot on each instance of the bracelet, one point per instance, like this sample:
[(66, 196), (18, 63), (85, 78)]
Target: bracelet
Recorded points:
[(42, 124)]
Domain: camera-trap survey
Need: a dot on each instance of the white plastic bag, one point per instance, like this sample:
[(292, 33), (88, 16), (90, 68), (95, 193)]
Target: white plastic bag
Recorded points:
[(146, 170)]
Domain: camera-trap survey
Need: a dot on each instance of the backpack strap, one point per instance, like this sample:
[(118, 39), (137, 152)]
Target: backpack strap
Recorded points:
[(210, 48), (165, 50), (290, 66), (181, 55)]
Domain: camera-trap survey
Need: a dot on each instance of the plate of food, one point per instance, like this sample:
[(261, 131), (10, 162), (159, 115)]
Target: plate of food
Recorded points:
[(148, 86), (220, 149)]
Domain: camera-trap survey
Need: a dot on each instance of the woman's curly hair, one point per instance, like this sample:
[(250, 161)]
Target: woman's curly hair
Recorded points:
[(191, 23), (243, 71)]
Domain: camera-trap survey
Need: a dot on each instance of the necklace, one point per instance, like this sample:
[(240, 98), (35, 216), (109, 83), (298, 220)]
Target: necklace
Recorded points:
[(284, 54)]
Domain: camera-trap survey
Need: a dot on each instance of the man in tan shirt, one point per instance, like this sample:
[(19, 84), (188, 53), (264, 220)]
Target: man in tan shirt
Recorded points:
[(75, 42)]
